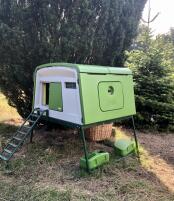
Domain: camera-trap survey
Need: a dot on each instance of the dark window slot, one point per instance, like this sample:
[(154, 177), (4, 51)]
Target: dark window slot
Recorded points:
[(70, 85), (47, 93)]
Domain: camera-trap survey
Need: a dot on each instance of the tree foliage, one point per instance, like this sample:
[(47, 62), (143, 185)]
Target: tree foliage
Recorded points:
[(153, 67), (78, 31)]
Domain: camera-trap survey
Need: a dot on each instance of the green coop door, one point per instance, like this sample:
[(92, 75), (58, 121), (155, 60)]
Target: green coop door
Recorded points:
[(110, 96), (55, 96)]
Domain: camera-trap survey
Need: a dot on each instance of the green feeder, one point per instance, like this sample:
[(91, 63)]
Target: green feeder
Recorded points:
[(123, 147), (95, 159)]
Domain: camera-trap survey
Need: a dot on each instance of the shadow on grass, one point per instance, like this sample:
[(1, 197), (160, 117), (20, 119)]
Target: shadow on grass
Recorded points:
[(6, 130)]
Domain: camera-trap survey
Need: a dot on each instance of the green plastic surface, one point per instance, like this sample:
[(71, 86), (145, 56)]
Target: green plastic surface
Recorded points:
[(95, 159), (92, 104), (110, 96), (55, 96), (123, 147)]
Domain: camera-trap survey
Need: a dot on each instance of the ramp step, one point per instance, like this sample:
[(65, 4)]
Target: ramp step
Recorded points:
[(17, 138), (8, 151), (35, 115), (3, 157), (21, 132), (13, 145), (28, 127), (29, 120)]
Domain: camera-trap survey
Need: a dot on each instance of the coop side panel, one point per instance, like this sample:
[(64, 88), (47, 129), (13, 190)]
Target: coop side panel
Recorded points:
[(90, 99)]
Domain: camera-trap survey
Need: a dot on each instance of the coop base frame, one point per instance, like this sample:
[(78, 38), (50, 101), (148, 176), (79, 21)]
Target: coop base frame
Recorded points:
[(81, 129)]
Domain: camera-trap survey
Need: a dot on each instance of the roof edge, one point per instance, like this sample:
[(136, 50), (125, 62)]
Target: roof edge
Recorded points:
[(84, 68)]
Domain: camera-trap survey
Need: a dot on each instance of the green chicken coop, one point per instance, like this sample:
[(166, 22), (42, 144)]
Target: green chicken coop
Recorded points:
[(84, 94), (78, 96)]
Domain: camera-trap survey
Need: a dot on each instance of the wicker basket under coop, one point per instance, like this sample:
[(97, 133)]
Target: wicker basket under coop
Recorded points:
[(99, 133)]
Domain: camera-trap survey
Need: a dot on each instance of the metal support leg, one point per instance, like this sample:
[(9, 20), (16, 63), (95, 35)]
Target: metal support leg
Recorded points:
[(7, 166), (135, 137), (8, 169), (85, 148), (31, 136)]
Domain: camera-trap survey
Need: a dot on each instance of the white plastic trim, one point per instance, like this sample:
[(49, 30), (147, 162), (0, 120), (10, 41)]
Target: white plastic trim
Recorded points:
[(71, 98)]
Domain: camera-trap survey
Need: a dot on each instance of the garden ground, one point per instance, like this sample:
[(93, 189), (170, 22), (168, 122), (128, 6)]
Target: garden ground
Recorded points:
[(48, 169)]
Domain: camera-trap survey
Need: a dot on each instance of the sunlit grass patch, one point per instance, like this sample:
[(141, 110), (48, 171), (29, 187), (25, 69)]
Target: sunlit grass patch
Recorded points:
[(159, 167), (7, 112), (154, 164)]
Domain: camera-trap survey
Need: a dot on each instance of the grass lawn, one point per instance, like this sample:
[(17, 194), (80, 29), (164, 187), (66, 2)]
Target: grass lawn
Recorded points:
[(7, 112), (48, 169)]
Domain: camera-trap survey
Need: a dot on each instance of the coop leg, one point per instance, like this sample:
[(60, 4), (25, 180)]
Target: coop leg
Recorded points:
[(135, 137), (84, 147), (7, 166), (31, 136)]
